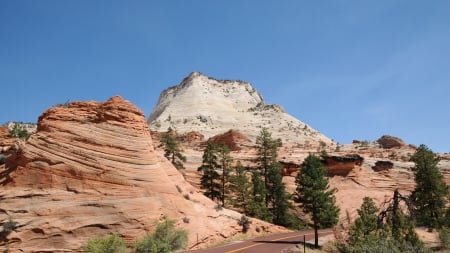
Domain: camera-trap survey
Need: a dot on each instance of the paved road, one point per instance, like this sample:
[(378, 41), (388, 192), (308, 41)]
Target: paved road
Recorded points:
[(266, 244)]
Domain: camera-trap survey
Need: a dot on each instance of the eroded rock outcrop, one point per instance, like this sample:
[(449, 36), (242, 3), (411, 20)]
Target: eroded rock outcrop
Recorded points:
[(232, 138), (387, 141), (382, 166), (342, 165), (90, 170)]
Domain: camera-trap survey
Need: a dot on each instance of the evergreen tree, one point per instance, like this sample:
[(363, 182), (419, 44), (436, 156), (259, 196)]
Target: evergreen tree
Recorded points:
[(429, 195), (210, 177), (267, 156), (279, 204), (390, 232), (225, 160), (276, 199), (257, 207), (172, 151), (366, 223), (240, 188), (314, 195)]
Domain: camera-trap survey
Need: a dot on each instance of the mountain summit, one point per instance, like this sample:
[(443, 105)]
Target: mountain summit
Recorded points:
[(209, 106)]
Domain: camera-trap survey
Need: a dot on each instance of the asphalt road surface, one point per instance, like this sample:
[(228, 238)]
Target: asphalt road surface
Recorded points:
[(266, 244)]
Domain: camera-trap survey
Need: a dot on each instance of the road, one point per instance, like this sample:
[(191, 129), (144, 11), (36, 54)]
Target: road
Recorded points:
[(266, 244)]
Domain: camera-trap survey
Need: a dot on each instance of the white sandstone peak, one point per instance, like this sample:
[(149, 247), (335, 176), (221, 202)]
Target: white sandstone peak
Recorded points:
[(209, 106)]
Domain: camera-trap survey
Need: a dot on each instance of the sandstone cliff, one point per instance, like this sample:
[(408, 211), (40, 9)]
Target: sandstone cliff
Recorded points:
[(212, 107), (90, 170)]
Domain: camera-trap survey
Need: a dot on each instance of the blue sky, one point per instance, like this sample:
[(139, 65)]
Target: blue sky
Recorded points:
[(351, 69)]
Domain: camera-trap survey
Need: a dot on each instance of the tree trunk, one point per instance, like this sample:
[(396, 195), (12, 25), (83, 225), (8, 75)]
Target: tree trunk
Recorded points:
[(316, 236)]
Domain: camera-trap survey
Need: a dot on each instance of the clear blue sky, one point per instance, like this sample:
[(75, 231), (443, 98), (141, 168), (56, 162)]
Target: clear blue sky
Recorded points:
[(351, 69)]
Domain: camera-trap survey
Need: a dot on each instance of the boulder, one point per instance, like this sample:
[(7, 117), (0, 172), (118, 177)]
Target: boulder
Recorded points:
[(388, 142)]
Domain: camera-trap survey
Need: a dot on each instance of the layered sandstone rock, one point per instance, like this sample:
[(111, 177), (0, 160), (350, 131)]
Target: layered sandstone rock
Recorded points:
[(212, 107), (90, 170)]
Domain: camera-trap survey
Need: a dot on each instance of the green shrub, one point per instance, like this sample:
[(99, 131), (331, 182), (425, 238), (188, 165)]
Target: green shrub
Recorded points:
[(18, 131), (444, 235), (9, 225), (108, 244), (165, 239), (245, 223)]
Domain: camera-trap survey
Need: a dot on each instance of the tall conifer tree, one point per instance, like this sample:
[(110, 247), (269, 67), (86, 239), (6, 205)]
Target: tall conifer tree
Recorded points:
[(224, 160), (430, 193), (314, 195), (210, 178), (172, 150)]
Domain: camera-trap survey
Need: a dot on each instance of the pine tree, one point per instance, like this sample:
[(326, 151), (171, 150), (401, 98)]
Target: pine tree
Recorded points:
[(314, 195), (240, 188), (267, 156), (391, 231), (366, 223), (279, 204), (276, 199), (257, 207), (210, 177), (224, 160), (430, 193), (172, 151)]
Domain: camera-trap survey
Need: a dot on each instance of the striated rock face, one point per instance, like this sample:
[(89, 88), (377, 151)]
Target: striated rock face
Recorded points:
[(342, 165), (90, 170), (213, 107), (5, 140), (387, 141)]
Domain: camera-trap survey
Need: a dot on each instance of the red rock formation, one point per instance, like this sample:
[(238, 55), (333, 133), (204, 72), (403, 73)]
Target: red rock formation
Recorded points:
[(383, 166), (90, 170), (193, 136), (289, 168), (232, 138), (5, 140), (387, 141), (342, 165)]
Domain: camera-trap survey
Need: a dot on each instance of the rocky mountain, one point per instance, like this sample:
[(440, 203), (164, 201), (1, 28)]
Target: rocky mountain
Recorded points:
[(234, 112), (211, 107), (89, 170)]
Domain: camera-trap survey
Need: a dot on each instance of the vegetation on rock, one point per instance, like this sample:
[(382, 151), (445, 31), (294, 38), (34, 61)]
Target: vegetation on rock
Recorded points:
[(172, 151), (165, 239), (18, 131), (107, 244)]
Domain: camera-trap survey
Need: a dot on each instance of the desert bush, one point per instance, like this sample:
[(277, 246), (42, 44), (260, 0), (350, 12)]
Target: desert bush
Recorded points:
[(107, 244), (165, 239), (18, 131), (9, 225), (245, 222)]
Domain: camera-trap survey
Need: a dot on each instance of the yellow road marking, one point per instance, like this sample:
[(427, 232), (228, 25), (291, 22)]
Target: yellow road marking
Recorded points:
[(256, 244)]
